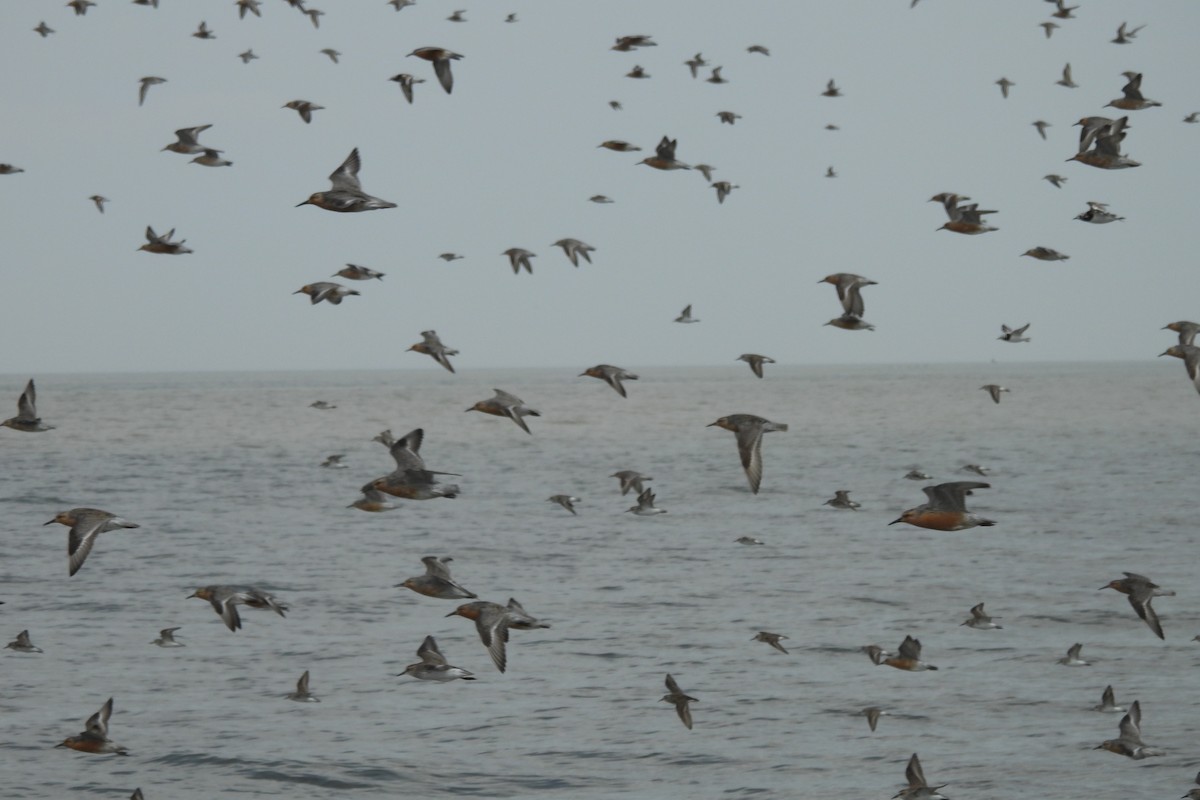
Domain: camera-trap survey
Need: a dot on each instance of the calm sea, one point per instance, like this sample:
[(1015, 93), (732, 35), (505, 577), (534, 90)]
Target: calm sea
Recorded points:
[(1093, 472)]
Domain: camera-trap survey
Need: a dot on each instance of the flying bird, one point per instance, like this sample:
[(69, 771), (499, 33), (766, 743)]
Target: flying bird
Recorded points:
[(346, 194)]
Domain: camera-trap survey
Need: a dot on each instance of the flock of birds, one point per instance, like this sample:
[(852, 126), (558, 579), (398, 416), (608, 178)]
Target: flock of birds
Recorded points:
[(1100, 146)]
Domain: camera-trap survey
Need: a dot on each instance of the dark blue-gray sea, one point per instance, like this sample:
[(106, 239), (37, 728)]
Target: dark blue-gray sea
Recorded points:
[(1093, 472)]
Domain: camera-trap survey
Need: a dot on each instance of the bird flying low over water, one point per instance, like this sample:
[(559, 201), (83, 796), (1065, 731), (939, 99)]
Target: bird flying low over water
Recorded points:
[(433, 665), (86, 525), (610, 375), (1190, 354), (94, 737), (849, 290), (493, 622), (504, 404), (410, 480), (677, 698), (436, 582), (1140, 590), (226, 599), (432, 346), (946, 509), (1008, 334), (749, 430), (565, 500), (918, 788), (1129, 740), (756, 362), (27, 419)]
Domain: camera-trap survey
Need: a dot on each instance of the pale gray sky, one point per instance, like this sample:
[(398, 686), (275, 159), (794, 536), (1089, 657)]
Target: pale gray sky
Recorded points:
[(511, 157)]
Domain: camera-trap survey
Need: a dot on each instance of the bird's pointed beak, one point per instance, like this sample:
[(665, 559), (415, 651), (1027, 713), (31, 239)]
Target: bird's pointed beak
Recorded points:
[(305, 203), (899, 519), (44, 524)]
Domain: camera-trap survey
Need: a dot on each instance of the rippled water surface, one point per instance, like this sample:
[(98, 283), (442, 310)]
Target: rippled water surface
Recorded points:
[(1093, 472)]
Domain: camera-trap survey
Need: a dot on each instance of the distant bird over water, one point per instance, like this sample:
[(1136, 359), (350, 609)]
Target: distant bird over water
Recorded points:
[(436, 582), (1140, 590), (493, 622), (946, 508), (908, 657), (433, 665), (918, 788), (226, 599), (631, 479), (86, 524), (849, 290), (27, 419), (610, 375), (166, 638), (1072, 658), (302, 694), (749, 430), (94, 738), (1187, 330), (841, 500), (504, 404), (685, 316), (645, 505), (432, 346), (979, 619), (22, 644), (771, 639), (677, 698), (756, 362), (1190, 354), (1014, 335), (1129, 740), (994, 390), (565, 500)]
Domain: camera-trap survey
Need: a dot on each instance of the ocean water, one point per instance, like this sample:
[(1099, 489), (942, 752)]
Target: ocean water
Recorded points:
[(1093, 473)]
